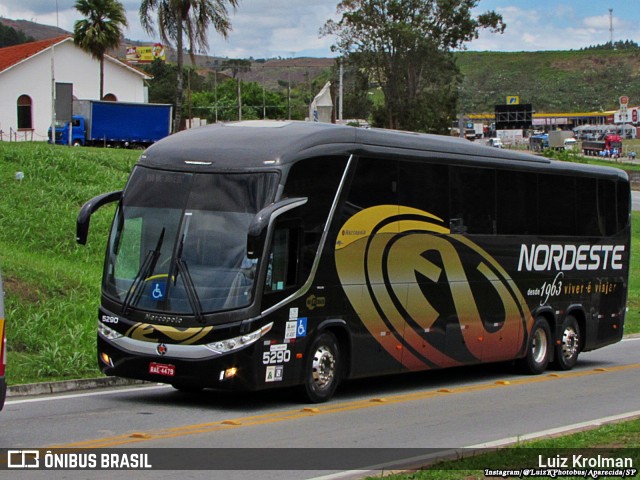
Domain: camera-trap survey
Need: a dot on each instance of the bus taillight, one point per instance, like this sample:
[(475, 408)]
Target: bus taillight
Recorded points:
[(3, 355)]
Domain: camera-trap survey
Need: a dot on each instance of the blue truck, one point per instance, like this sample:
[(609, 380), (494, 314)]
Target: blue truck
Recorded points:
[(115, 124)]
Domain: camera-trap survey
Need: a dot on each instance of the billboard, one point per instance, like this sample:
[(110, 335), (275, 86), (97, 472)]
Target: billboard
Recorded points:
[(513, 117), (145, 54)]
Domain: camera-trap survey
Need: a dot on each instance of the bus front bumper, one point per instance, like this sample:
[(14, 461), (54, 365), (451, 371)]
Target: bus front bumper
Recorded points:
[(228, 372)]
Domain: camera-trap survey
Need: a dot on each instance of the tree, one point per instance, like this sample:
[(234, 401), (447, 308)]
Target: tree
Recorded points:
[(222, 103), (174, 18), (405, 46), (100, 30), (237, 66), (10, 36)]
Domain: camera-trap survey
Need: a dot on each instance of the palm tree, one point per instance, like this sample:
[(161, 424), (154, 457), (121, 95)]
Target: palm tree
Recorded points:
[(175, 17), (100, 30)]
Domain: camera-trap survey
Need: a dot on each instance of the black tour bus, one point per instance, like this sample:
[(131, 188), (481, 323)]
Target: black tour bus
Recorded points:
[(260, 254)]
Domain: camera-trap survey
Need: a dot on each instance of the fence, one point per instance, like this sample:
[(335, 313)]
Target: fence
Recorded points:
[(22, 135)]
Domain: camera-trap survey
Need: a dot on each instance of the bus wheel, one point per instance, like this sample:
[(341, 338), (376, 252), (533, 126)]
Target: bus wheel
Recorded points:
[(538, 348), (322, 368), (566, 353)]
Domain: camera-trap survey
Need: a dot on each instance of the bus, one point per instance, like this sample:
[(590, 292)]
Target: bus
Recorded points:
[(264, 254), (3, 350)]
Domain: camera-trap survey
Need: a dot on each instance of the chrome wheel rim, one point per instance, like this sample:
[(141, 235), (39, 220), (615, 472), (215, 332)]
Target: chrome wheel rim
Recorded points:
[(569, 343), (539, 346), (323, 367)]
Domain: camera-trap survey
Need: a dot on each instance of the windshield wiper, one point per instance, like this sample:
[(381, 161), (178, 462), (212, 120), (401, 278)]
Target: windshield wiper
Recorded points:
[(192, 294), (147, 267)]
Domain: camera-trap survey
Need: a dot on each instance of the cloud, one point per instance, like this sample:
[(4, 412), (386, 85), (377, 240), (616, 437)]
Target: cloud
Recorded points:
[(268, 28), (600, 22)]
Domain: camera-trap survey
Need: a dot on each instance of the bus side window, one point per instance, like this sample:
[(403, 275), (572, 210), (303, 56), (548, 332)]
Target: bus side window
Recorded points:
[(424, 186), (317, 179), (472, 200), (623, 204), (283, 259)]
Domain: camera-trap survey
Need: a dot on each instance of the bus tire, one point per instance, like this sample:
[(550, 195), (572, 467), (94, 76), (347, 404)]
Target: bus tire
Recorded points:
[(322, 368), (567, 348), (538, 348)]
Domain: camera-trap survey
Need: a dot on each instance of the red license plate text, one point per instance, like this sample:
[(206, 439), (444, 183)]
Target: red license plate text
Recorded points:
[(162, 369)]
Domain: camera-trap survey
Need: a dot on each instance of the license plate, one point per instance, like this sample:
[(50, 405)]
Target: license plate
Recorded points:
[(162, 369)]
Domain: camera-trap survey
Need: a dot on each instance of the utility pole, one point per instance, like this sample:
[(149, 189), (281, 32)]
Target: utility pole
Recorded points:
[(53, 87), (341, 90)]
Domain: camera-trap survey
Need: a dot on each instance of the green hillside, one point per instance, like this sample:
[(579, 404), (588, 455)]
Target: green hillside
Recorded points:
[(559, 81), (52, 285)]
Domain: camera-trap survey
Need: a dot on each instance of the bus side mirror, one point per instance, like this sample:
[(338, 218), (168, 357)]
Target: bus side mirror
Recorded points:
[(258, 228), (82, 223)]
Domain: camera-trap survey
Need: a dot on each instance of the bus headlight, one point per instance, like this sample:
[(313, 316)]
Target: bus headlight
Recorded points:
[(108, 333), (236, 343)]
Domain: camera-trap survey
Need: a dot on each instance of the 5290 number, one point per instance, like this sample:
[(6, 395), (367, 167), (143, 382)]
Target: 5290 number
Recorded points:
[(279, 356)]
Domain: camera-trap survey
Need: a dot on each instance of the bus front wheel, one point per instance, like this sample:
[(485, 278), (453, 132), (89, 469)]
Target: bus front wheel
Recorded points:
[(568, 348), (538, 348), (322, 368)]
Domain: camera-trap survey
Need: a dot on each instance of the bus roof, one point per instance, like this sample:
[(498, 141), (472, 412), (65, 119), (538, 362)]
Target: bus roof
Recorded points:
[(256, 144)]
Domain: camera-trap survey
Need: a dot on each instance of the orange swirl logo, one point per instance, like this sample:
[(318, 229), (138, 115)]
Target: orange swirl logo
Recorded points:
[(164, 333), (431, 299)]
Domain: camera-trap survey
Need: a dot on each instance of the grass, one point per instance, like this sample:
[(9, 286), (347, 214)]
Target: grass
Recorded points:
[(606, 441), (52, 285)]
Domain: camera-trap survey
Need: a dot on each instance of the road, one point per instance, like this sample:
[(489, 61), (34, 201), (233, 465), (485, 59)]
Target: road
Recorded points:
[(446, 409), (635, 200)]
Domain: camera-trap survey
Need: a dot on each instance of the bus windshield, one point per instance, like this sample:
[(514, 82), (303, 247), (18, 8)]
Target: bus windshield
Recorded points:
[(178, 241)]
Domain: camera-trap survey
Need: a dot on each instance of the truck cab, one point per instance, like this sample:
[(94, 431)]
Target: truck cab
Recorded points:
[(78, 131), (570, 143)]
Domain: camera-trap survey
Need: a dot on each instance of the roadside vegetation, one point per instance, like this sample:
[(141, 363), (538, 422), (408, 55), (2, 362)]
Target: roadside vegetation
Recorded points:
[(589, 80), (52, 285), (607, 439)]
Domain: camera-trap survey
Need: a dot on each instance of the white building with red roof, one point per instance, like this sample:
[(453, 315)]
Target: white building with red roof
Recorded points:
[(27, 75)]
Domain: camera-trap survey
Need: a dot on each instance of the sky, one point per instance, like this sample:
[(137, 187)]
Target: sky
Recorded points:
[(289, 28)]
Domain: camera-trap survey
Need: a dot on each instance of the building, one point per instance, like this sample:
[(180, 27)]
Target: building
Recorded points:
[(27, 75)]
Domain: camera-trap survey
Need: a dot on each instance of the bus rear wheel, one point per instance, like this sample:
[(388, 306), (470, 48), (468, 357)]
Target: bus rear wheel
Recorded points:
[(538, 348), (568, 347), (322, 368)]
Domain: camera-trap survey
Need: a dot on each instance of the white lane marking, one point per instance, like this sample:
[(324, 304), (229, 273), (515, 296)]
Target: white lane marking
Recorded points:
[(471, 450), (80, 395), (555, 431)]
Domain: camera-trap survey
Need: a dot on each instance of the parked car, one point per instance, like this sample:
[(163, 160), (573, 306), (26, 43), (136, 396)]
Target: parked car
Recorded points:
[(496, 142)]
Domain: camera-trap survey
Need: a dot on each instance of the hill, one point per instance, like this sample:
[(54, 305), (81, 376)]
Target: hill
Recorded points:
[(32, 29), (553, 81)]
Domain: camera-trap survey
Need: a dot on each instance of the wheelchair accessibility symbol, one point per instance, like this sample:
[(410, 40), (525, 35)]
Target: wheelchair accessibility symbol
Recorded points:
[(301, 329), (295, 329), (158, 290)]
